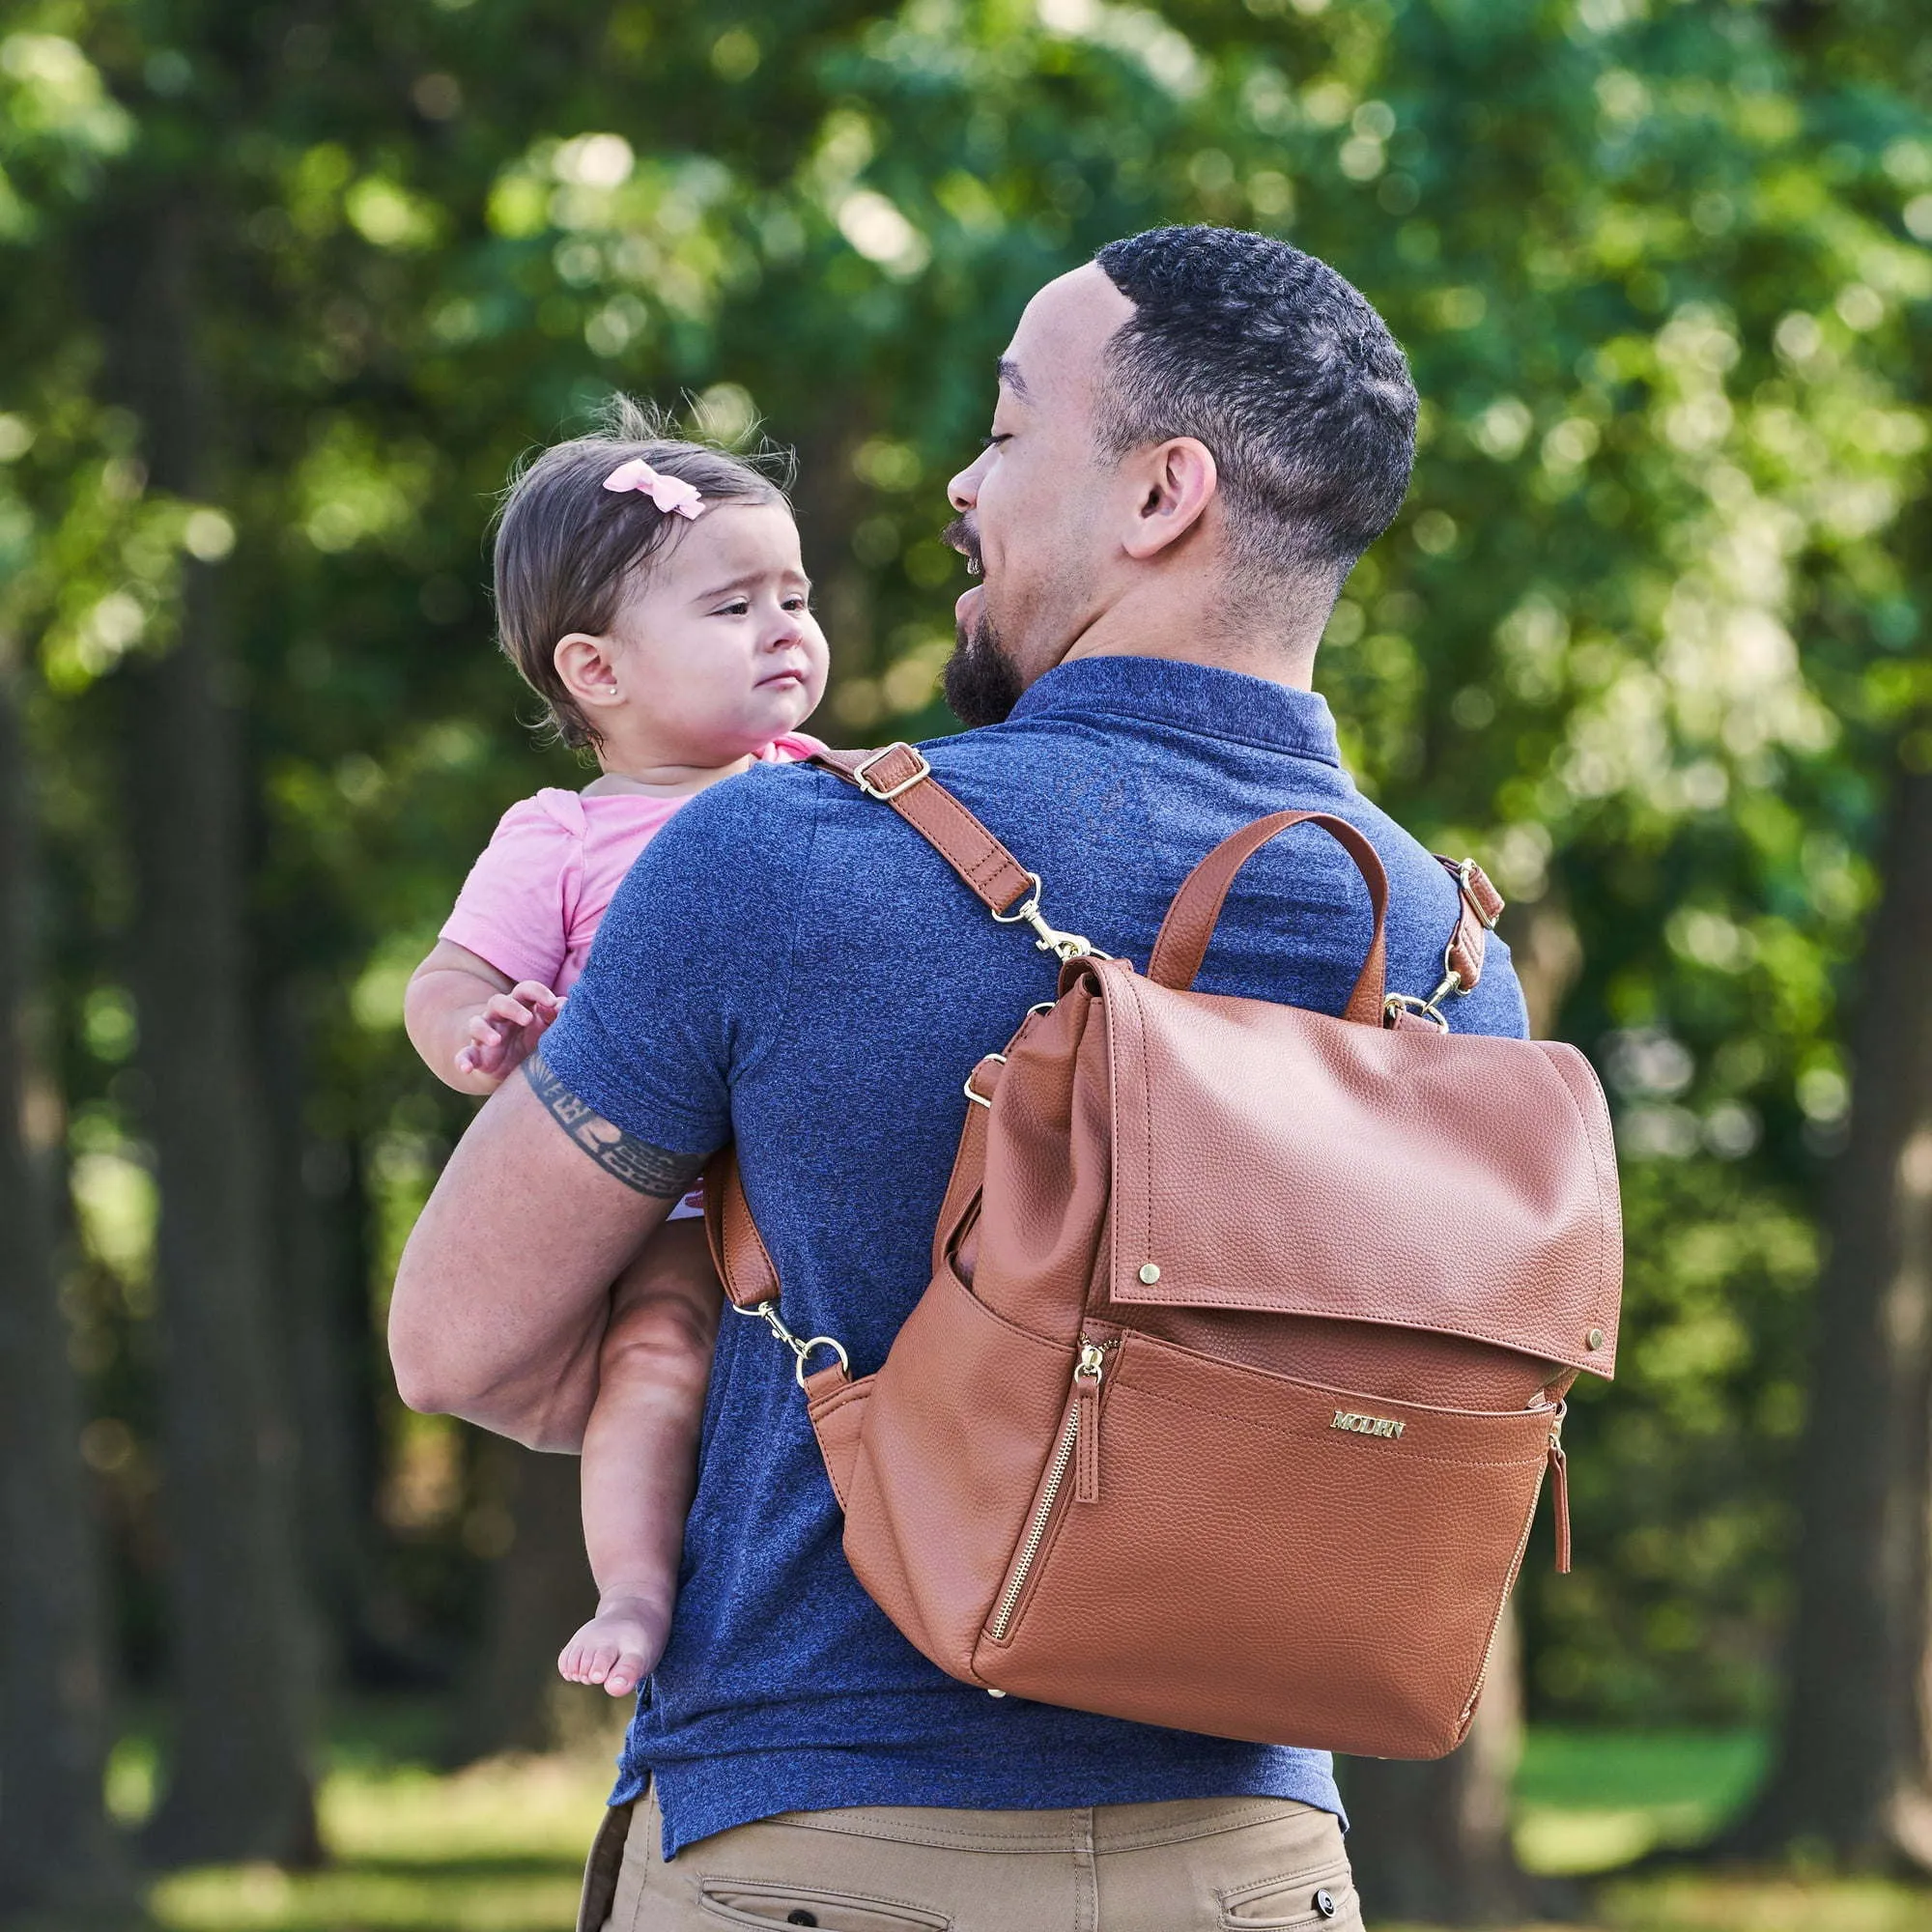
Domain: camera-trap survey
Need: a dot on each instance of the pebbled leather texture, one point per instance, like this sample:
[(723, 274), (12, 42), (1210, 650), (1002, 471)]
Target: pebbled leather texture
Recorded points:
[(1358, 1619), (1338, 1277), (1419, 1200), (837, 1411)]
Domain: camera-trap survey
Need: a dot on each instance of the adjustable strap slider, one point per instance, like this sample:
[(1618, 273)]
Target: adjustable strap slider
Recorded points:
[(1479, 907), (1479, 894), (888, 787)]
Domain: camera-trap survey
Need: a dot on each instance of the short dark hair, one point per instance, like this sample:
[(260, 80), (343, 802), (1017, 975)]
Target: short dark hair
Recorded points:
[(569, 551), (1286, 373)]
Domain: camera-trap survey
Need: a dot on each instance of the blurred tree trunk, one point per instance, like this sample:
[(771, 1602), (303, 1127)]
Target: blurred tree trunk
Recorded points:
[(238, 1781), (825, 448), (1430, 1842), (540, 1590), (60, 1863), (322, 1262), (1852, 1766)]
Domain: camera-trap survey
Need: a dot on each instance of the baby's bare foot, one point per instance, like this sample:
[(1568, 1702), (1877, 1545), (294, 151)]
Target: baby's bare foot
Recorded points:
[(617, 1648)]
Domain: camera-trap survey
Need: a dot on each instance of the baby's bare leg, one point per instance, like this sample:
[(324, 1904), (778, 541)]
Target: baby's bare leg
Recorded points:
[(640, 1454)]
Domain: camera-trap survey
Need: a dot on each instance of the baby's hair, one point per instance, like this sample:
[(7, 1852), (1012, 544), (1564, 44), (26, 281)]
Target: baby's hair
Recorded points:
[(569, 551)]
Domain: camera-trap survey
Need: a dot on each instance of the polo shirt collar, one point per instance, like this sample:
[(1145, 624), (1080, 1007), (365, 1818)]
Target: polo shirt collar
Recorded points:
[(1191, 698)]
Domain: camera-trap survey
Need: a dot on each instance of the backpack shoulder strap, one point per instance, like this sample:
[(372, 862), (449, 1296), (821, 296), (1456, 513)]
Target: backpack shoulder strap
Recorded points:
[(738, 1250), (1479, 907), (901, 777)]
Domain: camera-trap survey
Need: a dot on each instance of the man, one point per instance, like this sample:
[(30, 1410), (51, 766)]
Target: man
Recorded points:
[(1195, 435)]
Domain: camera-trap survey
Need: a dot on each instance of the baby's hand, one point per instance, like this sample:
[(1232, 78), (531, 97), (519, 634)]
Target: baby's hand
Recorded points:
[(505, 1033)]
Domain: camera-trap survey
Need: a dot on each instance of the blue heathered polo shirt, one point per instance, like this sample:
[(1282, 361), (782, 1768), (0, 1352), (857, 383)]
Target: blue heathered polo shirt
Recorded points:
[(790, 966)]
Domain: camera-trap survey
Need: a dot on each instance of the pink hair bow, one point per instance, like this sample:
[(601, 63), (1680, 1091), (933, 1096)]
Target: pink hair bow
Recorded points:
[(673, 495)]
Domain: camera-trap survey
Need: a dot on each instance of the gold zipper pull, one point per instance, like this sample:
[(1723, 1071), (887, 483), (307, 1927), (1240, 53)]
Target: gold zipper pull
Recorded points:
[(1559, 1496), (1087, 1377)]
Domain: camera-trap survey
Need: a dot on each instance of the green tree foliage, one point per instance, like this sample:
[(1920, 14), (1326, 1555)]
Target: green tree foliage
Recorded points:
[(1646, 638)]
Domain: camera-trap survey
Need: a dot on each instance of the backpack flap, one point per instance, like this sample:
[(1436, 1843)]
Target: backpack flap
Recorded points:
[(1265, 1157)]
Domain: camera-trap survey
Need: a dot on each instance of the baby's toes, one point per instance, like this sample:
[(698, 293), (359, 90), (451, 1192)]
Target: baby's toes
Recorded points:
[(584, 1659), (598, 1660), (626, 1673)]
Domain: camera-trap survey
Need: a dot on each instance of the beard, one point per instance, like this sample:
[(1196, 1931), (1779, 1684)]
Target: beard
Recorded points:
[(981, 683)]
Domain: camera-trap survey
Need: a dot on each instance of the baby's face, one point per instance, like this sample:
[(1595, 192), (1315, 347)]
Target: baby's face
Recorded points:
[(719, 652)]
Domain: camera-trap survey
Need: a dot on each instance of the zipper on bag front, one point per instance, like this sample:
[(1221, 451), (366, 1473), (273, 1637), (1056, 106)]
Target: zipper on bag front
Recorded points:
[(1076, 1449), (1559, 1491), (1559, 1484)]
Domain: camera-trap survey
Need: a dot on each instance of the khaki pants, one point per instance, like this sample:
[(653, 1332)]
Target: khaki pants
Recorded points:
[(1221, 1862)]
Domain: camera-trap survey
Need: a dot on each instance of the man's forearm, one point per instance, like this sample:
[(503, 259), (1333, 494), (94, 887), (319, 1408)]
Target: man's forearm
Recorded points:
[(502, 1293)]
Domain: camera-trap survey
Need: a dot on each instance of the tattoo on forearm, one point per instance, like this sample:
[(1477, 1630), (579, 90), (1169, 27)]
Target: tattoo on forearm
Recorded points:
[(638, 1164)]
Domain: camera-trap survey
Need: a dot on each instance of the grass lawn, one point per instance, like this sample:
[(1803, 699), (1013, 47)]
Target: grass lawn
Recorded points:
[(1587, 1801), (498, 1848)]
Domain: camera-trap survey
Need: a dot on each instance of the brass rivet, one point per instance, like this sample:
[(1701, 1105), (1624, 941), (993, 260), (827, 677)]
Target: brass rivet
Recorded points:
[(1594, 1339), (1150, 1273)]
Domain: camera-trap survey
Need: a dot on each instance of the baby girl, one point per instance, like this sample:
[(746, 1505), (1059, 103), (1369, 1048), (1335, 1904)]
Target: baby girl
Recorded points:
[(652, 594)]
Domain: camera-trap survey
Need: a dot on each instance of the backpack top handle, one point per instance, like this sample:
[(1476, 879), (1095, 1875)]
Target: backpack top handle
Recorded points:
[(1190, 922)]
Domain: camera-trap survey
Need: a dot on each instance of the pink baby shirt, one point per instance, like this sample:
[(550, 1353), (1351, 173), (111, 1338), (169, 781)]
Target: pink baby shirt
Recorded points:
[(532, 901)]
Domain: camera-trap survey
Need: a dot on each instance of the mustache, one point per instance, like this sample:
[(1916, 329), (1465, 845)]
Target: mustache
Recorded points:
[(960, 536)]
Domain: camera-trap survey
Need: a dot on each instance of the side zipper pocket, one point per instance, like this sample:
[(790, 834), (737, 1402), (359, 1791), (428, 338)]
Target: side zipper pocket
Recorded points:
[(1076, 1449)]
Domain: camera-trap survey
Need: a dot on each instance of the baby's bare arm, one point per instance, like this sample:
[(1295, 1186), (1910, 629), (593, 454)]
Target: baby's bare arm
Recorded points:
[(468, 1022), (641, 1444), (450, 987)]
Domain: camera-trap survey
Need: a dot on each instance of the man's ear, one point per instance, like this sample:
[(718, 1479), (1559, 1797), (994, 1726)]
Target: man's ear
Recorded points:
[(1175, 481), (585, 666)]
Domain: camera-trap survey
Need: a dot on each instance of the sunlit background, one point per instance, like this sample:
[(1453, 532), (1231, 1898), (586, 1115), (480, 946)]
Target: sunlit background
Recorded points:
[(287, 289)]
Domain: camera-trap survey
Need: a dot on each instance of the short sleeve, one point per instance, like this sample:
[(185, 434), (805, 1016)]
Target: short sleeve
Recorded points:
[(690, 976), (513, 908)]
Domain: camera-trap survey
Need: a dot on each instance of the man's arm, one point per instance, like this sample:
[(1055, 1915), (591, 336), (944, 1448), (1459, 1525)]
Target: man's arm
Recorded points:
[(504, 1289)]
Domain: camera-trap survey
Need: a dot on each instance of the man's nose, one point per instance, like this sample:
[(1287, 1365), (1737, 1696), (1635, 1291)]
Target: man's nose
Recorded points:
[(963, 491)]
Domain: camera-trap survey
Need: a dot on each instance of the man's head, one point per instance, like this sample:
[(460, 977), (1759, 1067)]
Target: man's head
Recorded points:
[(1197, 435)]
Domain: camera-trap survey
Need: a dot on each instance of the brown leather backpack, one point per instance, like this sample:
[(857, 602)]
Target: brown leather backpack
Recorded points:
[(1247, 1338)]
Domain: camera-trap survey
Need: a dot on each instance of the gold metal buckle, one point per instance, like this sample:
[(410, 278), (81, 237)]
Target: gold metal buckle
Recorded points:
[(1468, 889), (768, 1312), (904, 784), (1049, 938)]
